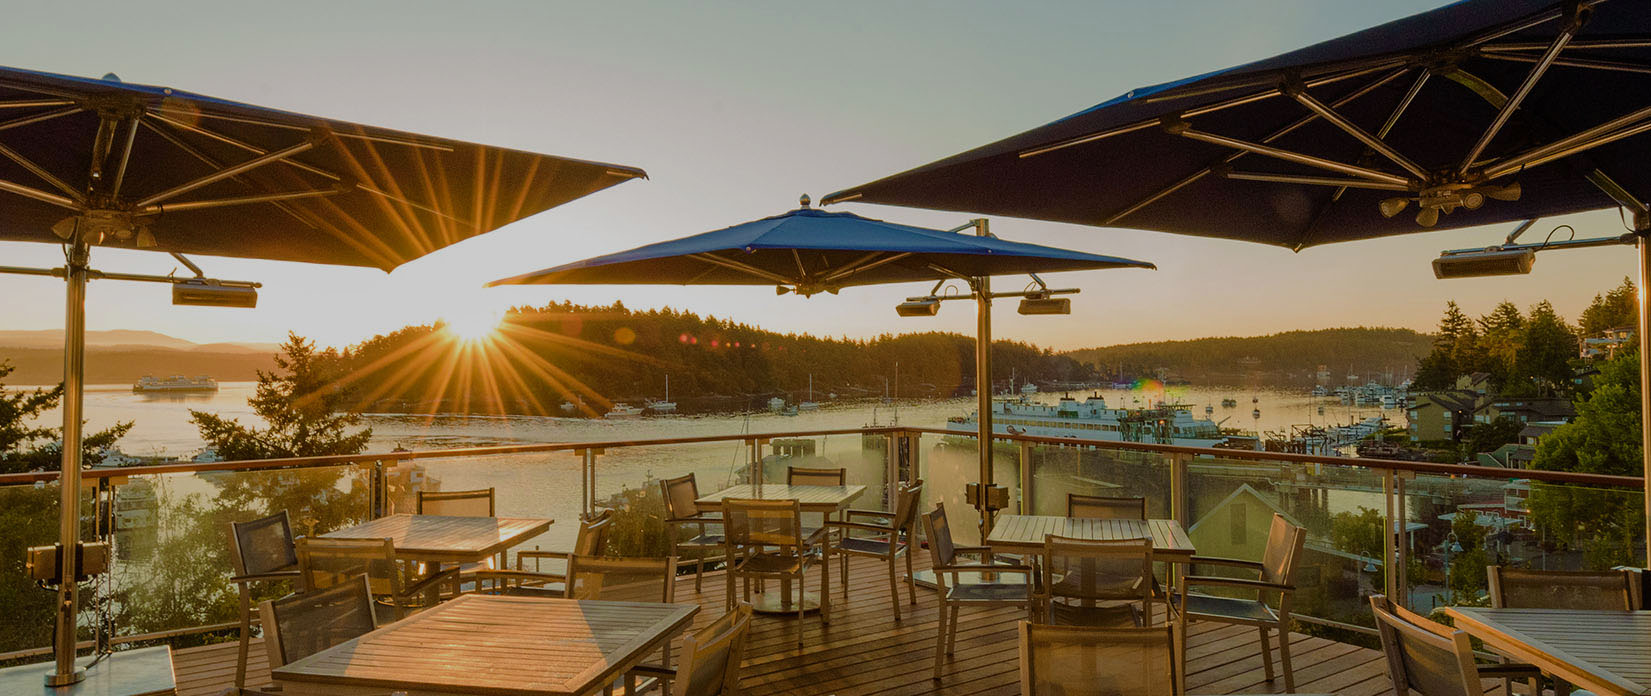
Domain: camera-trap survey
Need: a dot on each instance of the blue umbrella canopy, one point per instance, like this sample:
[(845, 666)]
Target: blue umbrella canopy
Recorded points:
[(809, 251), (1478, 112), (167, 170)]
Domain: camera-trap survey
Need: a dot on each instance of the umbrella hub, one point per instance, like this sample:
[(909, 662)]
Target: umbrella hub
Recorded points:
[(100, 225)]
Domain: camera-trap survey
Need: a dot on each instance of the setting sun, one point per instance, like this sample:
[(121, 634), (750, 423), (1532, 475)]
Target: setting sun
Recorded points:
[(473, 324)]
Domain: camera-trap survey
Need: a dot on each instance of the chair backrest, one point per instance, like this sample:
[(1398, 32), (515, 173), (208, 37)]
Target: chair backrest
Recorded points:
[(1428, 663), (762, 523), (622, 579), (262, 545), (593, 535), (300, 625), (1097, 569), (476, 503), (325, 562), (711, 656), (938, 532), (905, 506), (804, 476), (1064, 660), (1385, 603), (680, 494), (1560, 589), (1103, 508), (1284, 542)]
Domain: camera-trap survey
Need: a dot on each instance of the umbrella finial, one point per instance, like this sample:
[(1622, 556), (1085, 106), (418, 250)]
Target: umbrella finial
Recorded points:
[(804, 200), (111, 77)]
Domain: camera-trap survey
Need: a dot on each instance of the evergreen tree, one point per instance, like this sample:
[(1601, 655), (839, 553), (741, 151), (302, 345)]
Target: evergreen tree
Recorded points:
[(1545, 354), (25, 446), (305, 408), (1604, 439), (1501, 337), (1617, 308)]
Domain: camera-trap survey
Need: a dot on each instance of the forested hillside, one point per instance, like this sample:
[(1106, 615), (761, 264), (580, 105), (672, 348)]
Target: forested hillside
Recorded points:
[(1288, 356)]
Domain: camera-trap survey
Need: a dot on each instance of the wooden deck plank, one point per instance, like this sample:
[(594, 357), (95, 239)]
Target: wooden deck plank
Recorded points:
[(864, 652)]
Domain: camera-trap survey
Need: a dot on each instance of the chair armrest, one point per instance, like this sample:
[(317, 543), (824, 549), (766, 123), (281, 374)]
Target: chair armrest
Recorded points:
[(856, 512), (972, 549), (1191, 580), (982, 568), (862, 526), (541, 555), (1512, 670), (519, 575), (272, 575), (425, 583), (1235, 562), (654, 671)]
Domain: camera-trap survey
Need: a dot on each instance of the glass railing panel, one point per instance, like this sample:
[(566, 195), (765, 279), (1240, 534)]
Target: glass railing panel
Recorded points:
[(172, 541), (1459, 525), (949, 463), (1232, 503), (1058, 471), (29, 517)]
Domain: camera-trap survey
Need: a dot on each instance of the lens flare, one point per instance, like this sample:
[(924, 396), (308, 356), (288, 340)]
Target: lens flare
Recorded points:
[(473, 324)]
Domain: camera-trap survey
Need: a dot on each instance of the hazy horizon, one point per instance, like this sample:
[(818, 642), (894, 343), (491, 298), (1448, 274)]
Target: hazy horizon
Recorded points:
[(735, 110)]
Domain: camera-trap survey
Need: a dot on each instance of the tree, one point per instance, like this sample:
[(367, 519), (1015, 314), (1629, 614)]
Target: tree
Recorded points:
[(28, 515), (1545, 354), (1467, 567), (1486, 437), (1501, 337), (1604, 439), (1358, 533), (1455, 351), (305, 408), (1616, 308)]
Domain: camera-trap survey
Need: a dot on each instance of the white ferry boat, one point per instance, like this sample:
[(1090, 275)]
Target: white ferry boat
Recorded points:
[(175, 383), (1092, 419)]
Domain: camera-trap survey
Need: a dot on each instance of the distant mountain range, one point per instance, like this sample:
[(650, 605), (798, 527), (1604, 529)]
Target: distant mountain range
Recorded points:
[(124, 355)]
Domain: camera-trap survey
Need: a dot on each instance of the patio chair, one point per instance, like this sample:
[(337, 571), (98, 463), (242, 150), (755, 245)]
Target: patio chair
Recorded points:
[(891, 538), (262, 551), (1081, 581), (985, 592), (327, 562), (1074, 660), (711, 657), (681, 510), (1520, 588), (764, 540), (804, 476), (1103, 508), (1276, 576), (1507, 671), (475, 503), (1428, 663), (300, 625), (591, 541)]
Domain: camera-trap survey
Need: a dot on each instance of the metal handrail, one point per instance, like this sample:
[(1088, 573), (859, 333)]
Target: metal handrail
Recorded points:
[(1394, 464)]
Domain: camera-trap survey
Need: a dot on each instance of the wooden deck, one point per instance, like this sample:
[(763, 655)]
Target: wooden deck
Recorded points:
[(863, 651)]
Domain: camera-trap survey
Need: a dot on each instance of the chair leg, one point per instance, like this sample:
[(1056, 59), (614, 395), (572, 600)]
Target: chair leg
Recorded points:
[(894, 589), (951, 633), (1284, 658), (940, 641), (842, 572), (825, 593), (911, 579), (1266, 654), (246, 637)]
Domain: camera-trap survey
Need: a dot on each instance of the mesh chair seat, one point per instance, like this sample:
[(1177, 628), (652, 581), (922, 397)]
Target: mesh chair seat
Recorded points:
[(870, 546), (1080, 661), (996, 592), (1560, 589), (1231, 608), (1107, 616), (1103, 586), (771, 563), (708, 540)]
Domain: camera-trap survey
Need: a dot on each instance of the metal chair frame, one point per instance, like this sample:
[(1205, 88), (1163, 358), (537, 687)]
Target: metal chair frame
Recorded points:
[(1090, 556), (784, 557), (815, 477), (1398, 635), (248, 573), (898, 530), (1105, 508), (676, 518), (1276, 575), (401, 595), (944, 555)]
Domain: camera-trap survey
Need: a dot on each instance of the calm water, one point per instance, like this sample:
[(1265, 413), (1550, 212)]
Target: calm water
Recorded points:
[(549, 484)]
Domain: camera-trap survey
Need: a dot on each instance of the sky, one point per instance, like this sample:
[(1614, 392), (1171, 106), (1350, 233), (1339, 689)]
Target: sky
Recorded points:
[(734, 109)]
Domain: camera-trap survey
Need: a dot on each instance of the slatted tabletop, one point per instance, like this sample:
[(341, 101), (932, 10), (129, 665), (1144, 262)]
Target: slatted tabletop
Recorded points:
[(439, 539), (1022, 533), (481, 644), (827, 499), (1606, 652)]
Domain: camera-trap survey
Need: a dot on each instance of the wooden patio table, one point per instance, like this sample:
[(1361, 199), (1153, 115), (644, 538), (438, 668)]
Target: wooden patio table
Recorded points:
[(826, 500), (438, 539), (1606, 652), (1023, 534), (488, 644)]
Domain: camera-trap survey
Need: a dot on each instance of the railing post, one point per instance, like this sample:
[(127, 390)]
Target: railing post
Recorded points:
[(587, 480), (1026, 507), (1403, 542), (378, 493), (1391, 560), (891, 466), (754, 447), (1179, 509)]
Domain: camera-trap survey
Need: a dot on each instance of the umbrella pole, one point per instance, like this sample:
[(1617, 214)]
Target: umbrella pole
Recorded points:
[(74, 354), (1645, 375), (983, 393)]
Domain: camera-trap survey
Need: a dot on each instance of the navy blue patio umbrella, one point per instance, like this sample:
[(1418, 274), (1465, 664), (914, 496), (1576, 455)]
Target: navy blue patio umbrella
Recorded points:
[(808, 251), (1478, 112), (100, 163)]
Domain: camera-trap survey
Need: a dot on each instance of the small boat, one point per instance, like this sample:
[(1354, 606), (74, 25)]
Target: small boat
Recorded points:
[(665, 405), (1229, 403), (1256, 414), (808, 404), (788, 411), (1029, 388), (1209, 410), (775, 404), (175, 383), (1320, 392), (623, 411)]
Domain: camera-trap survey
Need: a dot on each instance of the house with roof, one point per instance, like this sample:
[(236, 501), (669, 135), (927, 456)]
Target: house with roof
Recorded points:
[(1441, 415), (1529, 410), (1606, 343)]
